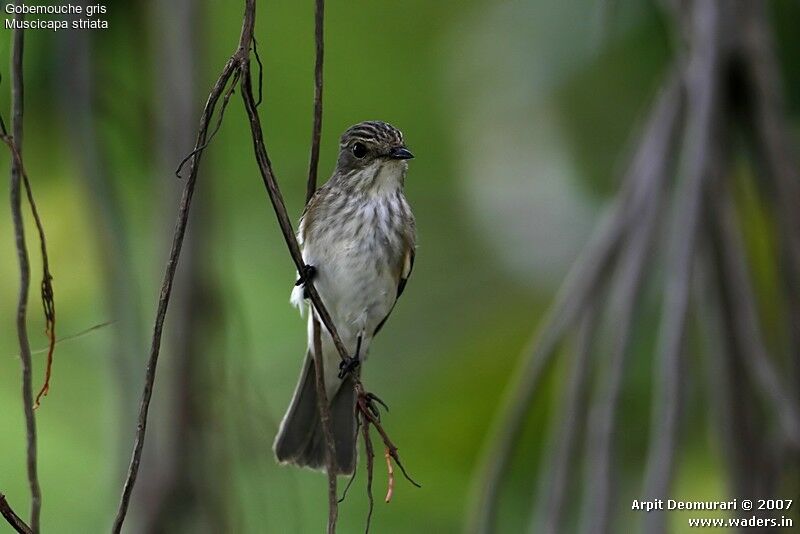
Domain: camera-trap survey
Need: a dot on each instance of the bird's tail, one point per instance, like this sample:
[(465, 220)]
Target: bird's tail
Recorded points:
[(300, 439)]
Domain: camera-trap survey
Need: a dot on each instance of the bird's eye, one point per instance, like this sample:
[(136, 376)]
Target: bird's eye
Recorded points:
[(359, 150)]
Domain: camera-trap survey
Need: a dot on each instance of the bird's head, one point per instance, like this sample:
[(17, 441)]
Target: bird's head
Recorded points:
[(374, 146)]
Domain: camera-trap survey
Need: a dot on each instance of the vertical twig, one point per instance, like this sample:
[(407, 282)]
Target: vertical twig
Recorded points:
[(774, 144), (276, 198), (46, 290), (553, 489), (742, 437), (311, 188), (319, 27), (701, 83), (575, 294), (369, 452), (744, 315), (166, 289), (580, 284), (325, 420), (13, 519), (17, 106), (727, 396), (651, 165)]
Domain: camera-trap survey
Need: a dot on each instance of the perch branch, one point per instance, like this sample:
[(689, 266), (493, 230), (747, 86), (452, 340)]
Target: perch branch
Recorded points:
[(319, 366), (275, 196), (17, 105), (702, 101), (13, 519)]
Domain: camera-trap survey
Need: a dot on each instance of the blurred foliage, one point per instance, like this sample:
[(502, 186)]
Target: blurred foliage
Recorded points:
[(444, 359)]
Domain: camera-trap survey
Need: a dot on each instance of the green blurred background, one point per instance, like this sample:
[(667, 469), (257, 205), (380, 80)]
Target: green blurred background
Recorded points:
[(520, 114)]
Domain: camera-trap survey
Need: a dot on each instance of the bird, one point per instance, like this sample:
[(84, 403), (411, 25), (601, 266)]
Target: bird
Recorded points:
[(358, 240)]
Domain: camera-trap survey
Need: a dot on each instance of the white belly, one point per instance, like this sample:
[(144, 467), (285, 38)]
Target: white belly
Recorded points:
[(356, 285)]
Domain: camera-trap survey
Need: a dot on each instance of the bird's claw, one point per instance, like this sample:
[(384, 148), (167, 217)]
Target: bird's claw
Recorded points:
[(367, 402), (371, 398), (306, 274), (347, 366)]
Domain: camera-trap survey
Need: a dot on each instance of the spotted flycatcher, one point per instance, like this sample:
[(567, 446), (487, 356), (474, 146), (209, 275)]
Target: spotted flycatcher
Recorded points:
[(357, 235)]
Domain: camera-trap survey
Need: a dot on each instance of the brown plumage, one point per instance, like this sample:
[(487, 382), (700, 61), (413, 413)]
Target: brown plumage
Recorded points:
[(359, 233)]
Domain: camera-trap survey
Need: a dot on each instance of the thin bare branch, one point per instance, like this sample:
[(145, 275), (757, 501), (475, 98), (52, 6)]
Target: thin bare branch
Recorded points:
[(369, 452), (71, 337), (744, 314), (355, 467), (702, 92), (735, 408), (47, 294), (48, 302), (652, 165), (13, 519), (327, 431), (169, 275), (366, 405), (17, 170), (387, 455), (275, 196), (319, 25), (578, 289), (722, 351), (260, 72), (322, 400), (776, 148), (225, 99), (553, 489), (581, 282)]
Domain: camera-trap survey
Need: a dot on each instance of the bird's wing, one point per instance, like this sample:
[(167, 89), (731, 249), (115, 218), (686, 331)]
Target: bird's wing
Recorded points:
[(408, 266), (405, 274), (304, 219)]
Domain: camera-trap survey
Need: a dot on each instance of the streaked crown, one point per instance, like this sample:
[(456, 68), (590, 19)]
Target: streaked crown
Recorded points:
[(373, 132)]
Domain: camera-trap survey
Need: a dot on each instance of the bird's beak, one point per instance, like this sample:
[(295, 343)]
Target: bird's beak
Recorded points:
[(401, 152)]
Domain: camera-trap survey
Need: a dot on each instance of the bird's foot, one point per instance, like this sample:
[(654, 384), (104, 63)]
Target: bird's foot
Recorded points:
[(367, 403), (347, 366), (306, 274)]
